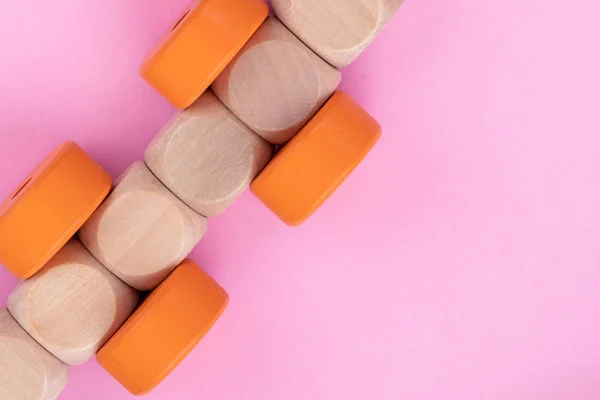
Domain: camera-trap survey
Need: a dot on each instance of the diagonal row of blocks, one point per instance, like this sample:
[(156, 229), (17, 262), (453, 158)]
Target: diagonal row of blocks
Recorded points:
[(245, 82)]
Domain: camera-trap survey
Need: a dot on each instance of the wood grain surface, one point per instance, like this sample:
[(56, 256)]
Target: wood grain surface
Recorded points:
[(27, 370), (207, 156), (276, 83), (337, 30), (142, 231), (72, 305)]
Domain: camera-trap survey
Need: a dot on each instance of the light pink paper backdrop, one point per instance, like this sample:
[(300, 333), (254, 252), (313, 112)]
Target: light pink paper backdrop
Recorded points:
[(460, 262)]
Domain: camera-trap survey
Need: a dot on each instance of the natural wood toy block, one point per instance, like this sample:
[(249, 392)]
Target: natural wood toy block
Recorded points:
[(142, 231), (337, 30), (27, 370), (199, 45), (309, 168), (73, 305), (55, 199), (206, 156), (275, 84), (164, 329)]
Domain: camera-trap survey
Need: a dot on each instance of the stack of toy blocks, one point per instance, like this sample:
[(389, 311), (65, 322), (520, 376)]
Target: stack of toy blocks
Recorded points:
[(245, 81)]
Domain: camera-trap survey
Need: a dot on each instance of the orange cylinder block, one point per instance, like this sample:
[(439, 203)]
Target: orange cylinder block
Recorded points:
[(189, 57), (51, 204), (166, 327), (317, 160)]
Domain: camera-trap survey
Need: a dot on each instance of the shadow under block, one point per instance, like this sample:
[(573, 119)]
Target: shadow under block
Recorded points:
[(275, 84), (311, 166), (142, 231), (188, 58), (55, 199), (73, 305), (206, 156), (337, 30), (27, 370), (164, 329)]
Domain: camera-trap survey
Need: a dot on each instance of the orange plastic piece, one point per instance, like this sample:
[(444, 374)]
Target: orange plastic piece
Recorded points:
[(189, 57), (317, 160), (166, 327), (51, 204)]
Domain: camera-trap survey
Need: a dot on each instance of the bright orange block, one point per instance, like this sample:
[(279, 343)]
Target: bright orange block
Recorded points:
[(189, 57), (317, 160), (166, 327), (51, 204)]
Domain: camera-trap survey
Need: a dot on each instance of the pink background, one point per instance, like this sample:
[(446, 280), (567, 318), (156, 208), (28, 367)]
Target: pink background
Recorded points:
[(460, 262)]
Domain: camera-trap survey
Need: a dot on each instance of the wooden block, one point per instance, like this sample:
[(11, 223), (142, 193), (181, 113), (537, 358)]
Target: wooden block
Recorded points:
[(276, 84), (73, 305), (199, 45), (142, 231), (53, 201), (337, 30), (164, 329), (206, 156), (309, 168), (27, 370)]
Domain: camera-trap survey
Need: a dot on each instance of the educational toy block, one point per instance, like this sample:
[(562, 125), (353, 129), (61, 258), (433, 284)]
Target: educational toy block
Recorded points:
[(164, 329), (199, 45), (49, 206), (337, 30), (206, 156), (276, 83), (73, 305), (142, 231), (309, 168), (27, 370), (269, 86)]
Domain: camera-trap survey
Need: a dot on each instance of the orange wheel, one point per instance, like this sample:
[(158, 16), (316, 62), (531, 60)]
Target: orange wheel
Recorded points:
[(317, 160), (166, 327), (189, 57), (48, 208)]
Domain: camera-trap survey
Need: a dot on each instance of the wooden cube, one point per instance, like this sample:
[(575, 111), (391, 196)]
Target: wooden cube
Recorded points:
[(27, 370), (337, 30), (164, 329), (51, 204), (276, 84), (206, 156), (193, 52), (73, 305), (142, 231), (311, 167)]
